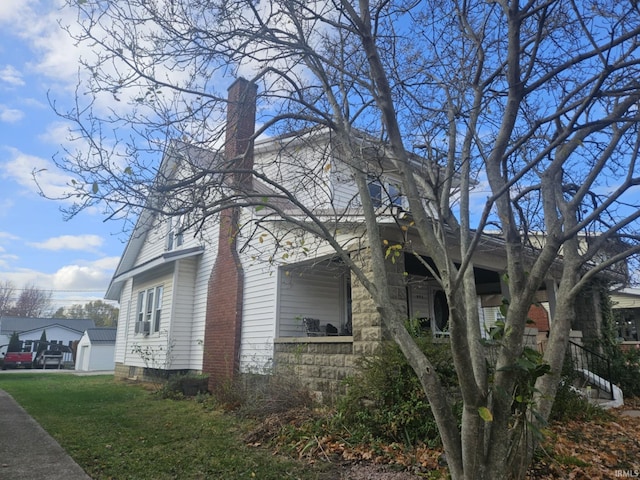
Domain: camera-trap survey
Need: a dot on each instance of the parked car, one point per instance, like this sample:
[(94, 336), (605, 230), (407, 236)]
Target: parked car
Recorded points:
[(49, 358), (17, 359)]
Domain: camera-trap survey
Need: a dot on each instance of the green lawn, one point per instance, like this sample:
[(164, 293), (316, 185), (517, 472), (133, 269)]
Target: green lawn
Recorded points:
[(121, 431)]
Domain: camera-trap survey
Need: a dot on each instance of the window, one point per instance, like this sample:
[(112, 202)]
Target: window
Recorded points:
[(375, 192), (158, 310), (385, 194), (395, 196), (175, 235), (149, 310), (140, 309)]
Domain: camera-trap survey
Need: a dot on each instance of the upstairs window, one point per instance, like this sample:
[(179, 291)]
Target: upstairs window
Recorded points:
[(375, 192), (175, 234), (395, 197), (385, 194)]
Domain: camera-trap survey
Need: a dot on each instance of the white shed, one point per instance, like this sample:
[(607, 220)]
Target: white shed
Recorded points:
[(96, 350)]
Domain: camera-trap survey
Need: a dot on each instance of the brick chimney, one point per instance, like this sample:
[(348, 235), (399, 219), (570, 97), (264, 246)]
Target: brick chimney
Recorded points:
[(224, 297)]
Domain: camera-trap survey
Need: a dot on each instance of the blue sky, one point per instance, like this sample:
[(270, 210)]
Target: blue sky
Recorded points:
[(74, 259)]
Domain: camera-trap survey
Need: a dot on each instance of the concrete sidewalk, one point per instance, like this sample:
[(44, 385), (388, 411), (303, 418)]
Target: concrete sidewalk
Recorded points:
[(27, 451)]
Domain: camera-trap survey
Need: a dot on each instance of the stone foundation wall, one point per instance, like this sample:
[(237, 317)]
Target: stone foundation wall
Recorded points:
[(121, 371), (321, 363), (143, 374)]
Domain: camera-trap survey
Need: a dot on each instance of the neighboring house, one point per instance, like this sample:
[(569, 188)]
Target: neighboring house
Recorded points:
[(59, 331), (96, 349), (208, 303), (626, 306)]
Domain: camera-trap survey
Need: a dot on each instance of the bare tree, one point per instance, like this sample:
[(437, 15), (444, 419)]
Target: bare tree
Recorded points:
[(519, 118), (7, 292), (32, 302)]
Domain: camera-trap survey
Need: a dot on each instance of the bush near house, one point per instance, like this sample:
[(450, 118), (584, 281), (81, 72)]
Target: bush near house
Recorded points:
[(385, 400)]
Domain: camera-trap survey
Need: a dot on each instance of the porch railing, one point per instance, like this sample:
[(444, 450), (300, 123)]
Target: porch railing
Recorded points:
[(593, 367)]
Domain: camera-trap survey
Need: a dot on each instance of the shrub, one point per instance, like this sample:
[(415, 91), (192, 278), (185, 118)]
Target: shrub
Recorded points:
[(261, 395), (184, 385), (625, 370), (385, 401), (569, 403)]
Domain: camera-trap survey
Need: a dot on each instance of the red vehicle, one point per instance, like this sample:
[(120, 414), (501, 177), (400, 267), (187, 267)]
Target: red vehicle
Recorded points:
[(17, 359)]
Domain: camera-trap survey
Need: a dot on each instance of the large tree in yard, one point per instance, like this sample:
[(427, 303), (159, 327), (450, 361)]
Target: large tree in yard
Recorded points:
[(32, 302), (518, 118)]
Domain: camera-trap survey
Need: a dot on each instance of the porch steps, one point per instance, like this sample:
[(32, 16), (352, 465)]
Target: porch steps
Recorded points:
[(599, 391)]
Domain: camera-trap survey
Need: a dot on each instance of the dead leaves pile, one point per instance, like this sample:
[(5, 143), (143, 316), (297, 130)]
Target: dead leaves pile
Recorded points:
[(599, 449)]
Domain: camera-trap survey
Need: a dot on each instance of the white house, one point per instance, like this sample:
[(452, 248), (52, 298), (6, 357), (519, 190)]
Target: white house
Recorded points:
[(59, 332), (96, 349), (212, 302)]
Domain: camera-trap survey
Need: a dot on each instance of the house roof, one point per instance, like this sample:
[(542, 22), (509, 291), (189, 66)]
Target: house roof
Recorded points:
[(8, 325), (201, 156), (122, 273), (176, 151), (102, 336)]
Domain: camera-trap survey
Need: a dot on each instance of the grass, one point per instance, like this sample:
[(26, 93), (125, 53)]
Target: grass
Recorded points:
[(122, 431)]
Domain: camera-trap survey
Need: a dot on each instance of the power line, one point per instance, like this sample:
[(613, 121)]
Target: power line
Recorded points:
[(54, 290)]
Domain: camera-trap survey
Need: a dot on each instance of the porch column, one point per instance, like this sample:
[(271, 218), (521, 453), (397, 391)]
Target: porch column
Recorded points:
[(368, 330)]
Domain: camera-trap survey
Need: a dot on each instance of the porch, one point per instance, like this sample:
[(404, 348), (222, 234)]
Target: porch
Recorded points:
[(347, 323)]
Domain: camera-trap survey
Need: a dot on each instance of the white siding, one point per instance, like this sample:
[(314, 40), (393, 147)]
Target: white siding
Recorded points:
[(302, 168), (316, 294), (94, 357), (345, 191), (258, 317), (155, 242), (488, 318), (199, 299), (181, 321), (421, 300), (625, 300), (126, 321), (159, 344)]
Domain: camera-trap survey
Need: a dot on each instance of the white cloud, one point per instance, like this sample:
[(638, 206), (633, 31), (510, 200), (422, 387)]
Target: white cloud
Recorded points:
[(10, 115), (20, 168), (71, 242), (11, 75), (7, 260), (56, 133), (12, 11), (6, 204), (72, 277), (8, 236), (74, 283), (35, 103), (37, 23), (107, 263)]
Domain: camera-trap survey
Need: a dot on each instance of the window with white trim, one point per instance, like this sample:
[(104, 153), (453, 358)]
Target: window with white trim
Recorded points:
[(375, 192), (388, 194), (149, 310), (175, 237), (158, 309)]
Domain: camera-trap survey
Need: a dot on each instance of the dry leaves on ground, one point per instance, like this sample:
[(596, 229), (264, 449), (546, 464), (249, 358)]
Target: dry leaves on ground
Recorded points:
[(599, 449)]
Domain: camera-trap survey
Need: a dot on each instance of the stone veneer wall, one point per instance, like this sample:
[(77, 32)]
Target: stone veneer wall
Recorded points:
[(368, 330), (321, 363), (143, 374), (121, 370)]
